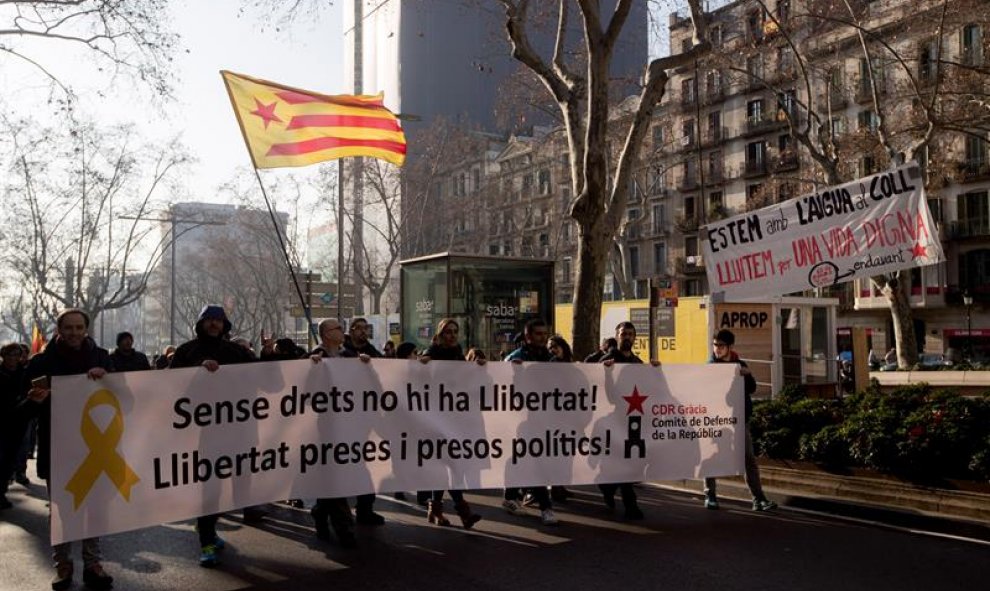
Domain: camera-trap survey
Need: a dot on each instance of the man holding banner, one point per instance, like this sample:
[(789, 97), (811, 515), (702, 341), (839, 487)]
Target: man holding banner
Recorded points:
[(71, 352), (210, 349)]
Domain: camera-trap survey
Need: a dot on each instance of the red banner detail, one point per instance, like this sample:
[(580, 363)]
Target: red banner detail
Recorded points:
[(326, 143), (298, 98), (303, 121)]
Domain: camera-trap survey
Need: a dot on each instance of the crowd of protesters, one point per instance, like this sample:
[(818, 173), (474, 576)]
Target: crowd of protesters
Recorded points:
[(26, 414)]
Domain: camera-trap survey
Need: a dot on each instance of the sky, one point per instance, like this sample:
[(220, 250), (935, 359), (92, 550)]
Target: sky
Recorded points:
[(214, 36)]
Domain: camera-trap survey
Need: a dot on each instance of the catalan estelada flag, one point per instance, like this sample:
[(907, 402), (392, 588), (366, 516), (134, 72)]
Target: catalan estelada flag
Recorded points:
[(285, 126), (37, 340)]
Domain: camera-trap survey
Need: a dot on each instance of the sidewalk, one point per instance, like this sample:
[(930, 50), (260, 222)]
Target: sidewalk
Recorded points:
[(888, 502)]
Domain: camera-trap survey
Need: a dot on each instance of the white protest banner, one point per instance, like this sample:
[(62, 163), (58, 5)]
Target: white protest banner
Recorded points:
[(871, 226), (143, 448)]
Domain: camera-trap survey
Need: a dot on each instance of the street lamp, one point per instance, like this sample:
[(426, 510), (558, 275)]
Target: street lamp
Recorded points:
[(968, 302)]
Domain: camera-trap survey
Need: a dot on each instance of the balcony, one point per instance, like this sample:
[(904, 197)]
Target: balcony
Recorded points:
[(689, 265), (687, 183), (972, 57), (755, 168), (761, 125), (864, 91), (714, 137), (714, 95), (714, 176), (973, 170), (966, 228), (686, 224), (785, 162), (836, 97)]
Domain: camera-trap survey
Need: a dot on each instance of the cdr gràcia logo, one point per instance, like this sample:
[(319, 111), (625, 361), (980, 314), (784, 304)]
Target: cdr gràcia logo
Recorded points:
[(424, 306), (500, 310)]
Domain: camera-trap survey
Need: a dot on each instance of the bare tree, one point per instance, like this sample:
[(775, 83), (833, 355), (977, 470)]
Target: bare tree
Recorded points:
[(67, 240), (124, 37), (383, 219), (584, 103), (915, 92)]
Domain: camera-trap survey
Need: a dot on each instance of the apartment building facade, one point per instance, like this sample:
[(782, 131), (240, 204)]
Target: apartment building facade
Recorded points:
[(726, 139)]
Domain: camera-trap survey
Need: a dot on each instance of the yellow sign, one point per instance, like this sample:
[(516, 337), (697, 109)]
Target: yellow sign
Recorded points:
[(103, 456)]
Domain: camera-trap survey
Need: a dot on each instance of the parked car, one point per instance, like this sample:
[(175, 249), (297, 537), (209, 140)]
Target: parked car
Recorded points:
[(933, 361)]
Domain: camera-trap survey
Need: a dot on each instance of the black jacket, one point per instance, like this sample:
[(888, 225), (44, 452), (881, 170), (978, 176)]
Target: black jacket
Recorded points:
[(193, 353), (444, 353), (133, 361), (57, 360), (368, 349), (749, 382)]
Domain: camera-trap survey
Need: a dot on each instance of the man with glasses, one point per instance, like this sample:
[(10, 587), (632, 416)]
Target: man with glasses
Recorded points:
[(723, 352)]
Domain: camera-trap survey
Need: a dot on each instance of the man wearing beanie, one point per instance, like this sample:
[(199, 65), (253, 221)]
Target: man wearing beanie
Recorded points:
[(210, 349), (125, 357)]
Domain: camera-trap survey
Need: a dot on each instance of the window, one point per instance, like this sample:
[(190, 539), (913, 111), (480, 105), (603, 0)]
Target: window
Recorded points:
[(565, 270), (784, 143), (754, 24), (838, 125), (566, 232), (659, 221), (692, 287), (633, 262), (493, 249), (754, 111), (754, 67), (544, 181), (691, 246), (976, 150), (926, 62), (527, 182), (783, 10), (632, 214), (657, 137), (935, 205), (972, 45), (785, 61), (659, 258), (974, 209), (507, 247), (715, 166), (715, 126), (687, 91), (713, 84), (716, 200), (544, 245), (879, 79), (754, 192), (715, 35), (687, 132), (867, 166), (868, 120), (786, 102), (756, 153), (690, 210), (475, 179)]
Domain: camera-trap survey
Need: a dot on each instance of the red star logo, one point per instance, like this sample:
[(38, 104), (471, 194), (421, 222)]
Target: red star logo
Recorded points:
[(635, 401), (918, 251), (266, 112)]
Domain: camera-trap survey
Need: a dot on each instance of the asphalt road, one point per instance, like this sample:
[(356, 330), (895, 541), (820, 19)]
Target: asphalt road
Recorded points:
[(680, 545)]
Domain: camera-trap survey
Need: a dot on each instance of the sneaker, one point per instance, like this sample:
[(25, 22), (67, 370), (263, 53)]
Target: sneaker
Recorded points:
[(764, 505), (370, 518), (528, 500), (548, 518), (208, 557), (95, 578), (63, 576), (513, 507), (219, 543), (22, 479), (320, 522), (711, 503)]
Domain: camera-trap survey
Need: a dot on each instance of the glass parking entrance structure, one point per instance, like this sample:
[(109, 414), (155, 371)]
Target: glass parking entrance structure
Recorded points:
[(491, 298)]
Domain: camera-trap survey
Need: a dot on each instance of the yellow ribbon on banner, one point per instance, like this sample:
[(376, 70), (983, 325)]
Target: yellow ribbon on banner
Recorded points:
[(103, 456)]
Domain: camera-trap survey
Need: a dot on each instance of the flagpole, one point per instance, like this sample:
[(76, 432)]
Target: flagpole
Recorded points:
[(288, 261)]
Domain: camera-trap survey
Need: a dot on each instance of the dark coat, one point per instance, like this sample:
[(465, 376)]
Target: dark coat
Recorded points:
[(439, 353), (193, 353), (368, 349), (133, 361), (57, 360), (527, 353), (749, 382)]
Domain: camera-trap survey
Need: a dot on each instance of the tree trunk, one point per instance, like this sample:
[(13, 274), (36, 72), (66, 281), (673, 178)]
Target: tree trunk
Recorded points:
[(900, 315), (593, 249)]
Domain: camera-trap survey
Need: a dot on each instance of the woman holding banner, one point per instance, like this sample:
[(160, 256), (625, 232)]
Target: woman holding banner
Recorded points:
[(446, 348)]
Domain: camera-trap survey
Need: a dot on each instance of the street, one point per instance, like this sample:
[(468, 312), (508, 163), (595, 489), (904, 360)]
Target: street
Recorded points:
[(680, 545)]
